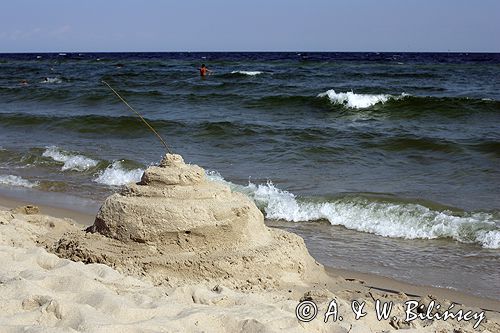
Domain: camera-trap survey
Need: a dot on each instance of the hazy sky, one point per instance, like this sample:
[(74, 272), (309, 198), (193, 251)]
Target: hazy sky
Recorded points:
[(252, 25)]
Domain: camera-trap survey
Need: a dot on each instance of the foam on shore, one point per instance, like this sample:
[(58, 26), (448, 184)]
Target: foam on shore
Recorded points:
[(410, 221)]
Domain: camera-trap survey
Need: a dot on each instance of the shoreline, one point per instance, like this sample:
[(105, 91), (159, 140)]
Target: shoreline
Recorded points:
[(373, 281), (83, 218)]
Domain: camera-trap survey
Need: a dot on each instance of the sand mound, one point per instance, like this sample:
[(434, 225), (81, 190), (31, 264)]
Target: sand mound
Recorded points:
[(40, 292), (43, 293), (175, 225)]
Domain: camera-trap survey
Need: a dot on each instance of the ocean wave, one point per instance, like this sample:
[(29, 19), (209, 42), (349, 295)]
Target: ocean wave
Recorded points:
[(227, 129), (398, 220), (51, 80), (70, 161), (116, 174), (402, 143), (103, 125), (489, 147), (11, 180), (415, 75), (67, 94), (400, 106), (358, 101), (249, 73), (411, 107), (289, 101)]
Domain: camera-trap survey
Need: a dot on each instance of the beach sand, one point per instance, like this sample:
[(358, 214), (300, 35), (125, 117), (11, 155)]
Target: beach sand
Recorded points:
[(214, 267)]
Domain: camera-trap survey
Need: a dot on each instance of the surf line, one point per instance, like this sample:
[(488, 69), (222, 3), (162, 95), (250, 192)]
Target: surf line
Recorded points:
[(138, 114)]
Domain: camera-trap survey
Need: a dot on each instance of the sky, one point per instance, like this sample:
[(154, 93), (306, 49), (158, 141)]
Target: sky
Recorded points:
[(252, 25)]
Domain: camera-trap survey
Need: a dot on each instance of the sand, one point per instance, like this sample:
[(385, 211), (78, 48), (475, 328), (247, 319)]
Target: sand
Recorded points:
[(178, 253)]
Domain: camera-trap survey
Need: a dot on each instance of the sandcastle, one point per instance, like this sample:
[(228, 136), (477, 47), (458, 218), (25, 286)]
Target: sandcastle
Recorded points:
[(175, 225), (174, 200)]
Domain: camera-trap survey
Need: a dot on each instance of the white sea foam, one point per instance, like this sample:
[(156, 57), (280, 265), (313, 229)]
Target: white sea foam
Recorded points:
[(357, 101), (12, 180), (71, 161), (251, 73), (51, 80), (410, 221), (116, 174), (489, 239)]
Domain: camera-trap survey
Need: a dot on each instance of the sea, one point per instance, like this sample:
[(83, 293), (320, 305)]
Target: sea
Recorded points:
[(386, 163)]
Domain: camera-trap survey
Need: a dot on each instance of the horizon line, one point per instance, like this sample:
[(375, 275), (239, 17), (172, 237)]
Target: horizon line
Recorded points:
[(261, 51)]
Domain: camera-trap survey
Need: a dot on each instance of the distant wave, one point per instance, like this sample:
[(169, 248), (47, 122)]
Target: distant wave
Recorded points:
[(358, 101), (11, 180), (279, 101), (488, 146), (249, 73), (129, 127), (51, 80), (239, 74), (388, 219), (71, 95), (401, 143), (402, 105), (70, 161), (116, 174), (390, 74), (447, 105), (104, 125)]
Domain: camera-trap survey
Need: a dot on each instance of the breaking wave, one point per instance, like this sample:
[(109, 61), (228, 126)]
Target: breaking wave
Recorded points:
[(358, 101), (11, 180), (51, 80), (116, 174), (70, 161), (388, 219), (250, 73)]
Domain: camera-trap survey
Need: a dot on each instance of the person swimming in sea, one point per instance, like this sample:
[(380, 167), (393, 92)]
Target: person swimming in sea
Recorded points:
[(204, 71)]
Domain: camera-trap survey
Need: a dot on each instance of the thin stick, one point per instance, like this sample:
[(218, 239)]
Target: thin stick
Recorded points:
[(137, 113)]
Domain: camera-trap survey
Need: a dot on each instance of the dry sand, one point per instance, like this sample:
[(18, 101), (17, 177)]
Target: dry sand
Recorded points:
[(177, 253)]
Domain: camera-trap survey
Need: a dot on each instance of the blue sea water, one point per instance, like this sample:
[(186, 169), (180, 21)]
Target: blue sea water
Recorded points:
[(383, 162)]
